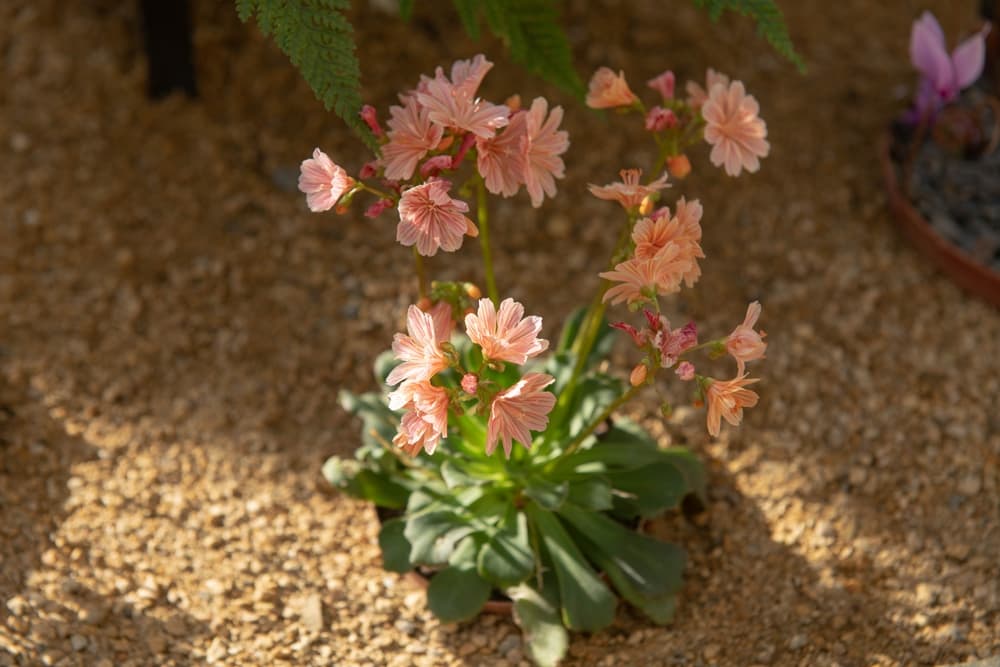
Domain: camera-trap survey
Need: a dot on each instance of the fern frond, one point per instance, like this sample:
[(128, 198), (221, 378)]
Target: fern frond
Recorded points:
[(318, 39), (769, 18)]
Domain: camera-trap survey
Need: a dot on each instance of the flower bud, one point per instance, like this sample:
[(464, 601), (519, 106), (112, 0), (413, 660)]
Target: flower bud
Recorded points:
[(425, 304), (513, 103), (470, 383), (378, 208), (666, 410), (646, 207), (659, 119), (368, 115), (368, 169), (472, 291), (663, 84), (445, 143), (638, 375), (685, 371), (679, 166)]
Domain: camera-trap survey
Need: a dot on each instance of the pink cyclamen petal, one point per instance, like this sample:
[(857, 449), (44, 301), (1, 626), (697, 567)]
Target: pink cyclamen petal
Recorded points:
[(545, 144), (430, 219), (323, 182), (518, 410), (734, 129), (420, 348), (505, 335)]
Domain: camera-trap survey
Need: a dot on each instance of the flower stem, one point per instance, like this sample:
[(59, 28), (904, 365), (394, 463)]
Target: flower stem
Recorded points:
[(482, 213), (418, 262), (585, 433), (376, 191)]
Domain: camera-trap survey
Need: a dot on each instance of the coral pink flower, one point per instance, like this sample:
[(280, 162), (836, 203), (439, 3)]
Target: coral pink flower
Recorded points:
[(455, 107), (639, 278), (323, 182), (663, 84), (502, 159), (685, 371), (652, 235), (519, 409), (745, 344), (629, 192), (733, 128), (466, 75), (420, 351), (546, 142), (426, 420), (608, 90), (697, 96), (411, 135), (431, 219), (506, 335), (726, 400), (433, 166)]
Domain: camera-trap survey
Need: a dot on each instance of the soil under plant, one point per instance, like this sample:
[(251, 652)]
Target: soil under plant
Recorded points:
[(175, 327), (959, 195)]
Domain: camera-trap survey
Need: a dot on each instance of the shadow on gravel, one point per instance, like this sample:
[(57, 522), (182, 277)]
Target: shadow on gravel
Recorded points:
[(48, 621)]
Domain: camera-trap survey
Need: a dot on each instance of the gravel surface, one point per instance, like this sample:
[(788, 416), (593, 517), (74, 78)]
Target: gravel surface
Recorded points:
[(175, 326)]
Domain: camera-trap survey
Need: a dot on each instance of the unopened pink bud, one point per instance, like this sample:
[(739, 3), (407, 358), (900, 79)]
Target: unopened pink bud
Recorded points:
[(679, 166), (513, 103), (638, 375), (368, 170), (659, 119), (378, 208), (368, 115), (470, 383), (685, 371), (663, 84), (434, 165)]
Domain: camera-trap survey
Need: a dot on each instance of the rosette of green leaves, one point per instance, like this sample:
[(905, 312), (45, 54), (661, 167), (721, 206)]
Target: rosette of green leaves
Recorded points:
[(555, 533)]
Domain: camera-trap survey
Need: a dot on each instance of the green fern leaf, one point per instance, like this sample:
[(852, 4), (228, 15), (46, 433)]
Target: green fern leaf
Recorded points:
[(531, 30), (468, 12), (770, 22), (317, 38)]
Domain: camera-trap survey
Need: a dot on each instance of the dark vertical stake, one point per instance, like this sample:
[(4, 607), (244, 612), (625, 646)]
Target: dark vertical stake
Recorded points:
[(166, 26)]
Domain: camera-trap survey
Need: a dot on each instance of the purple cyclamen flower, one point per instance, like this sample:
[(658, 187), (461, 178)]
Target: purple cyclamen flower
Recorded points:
[(943, 76)]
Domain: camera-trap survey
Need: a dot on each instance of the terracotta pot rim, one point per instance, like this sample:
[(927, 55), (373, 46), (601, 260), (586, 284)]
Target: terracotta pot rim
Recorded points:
[(965, 271)]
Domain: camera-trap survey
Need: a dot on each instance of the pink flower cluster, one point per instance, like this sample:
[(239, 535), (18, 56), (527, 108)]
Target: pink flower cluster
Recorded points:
[(503, 335), (430, 132), (667, 250), (729, 117)]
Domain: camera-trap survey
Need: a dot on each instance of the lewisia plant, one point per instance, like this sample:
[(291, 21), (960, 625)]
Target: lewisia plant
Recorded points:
[(497, 460)]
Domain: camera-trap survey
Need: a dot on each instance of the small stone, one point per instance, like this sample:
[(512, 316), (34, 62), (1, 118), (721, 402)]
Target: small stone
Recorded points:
[(797, 642), (958, 551), (176, 626), (509, 644), (970, 485), (20, 142), (93, 614), (78, 642), (405, 626), (216, 651), (311, 613), (16, 605), (927, 595)]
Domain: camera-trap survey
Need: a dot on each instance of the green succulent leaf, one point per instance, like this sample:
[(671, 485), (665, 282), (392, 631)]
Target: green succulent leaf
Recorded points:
[(433, 534), (457, 594), (359, 481), (506, 558), (586, 602), (544, 635), (545, 492), (592, 492), (395, 547), (651, 489)]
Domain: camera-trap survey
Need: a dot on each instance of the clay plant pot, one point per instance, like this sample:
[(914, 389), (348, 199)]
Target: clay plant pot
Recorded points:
[(966, 272)]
